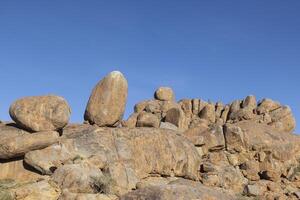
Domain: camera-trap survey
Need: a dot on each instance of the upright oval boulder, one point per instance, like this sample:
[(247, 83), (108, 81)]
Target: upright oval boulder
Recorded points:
[(41, 113), (107, 102)]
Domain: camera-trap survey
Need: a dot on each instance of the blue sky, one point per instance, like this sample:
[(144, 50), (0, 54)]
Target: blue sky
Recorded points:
[(217, 50)]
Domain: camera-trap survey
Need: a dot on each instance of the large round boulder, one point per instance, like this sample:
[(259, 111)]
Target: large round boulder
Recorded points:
[(41, 113), (107, 102)]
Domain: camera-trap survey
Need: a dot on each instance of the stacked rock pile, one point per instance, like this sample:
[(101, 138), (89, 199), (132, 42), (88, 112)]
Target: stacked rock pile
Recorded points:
[(190, 149), (189, 113)]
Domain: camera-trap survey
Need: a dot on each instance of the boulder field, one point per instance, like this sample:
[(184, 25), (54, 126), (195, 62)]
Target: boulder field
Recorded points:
[(165, 150)]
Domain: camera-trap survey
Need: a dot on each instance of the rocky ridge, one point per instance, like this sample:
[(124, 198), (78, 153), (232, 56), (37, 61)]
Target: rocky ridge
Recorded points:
[(190, 149)]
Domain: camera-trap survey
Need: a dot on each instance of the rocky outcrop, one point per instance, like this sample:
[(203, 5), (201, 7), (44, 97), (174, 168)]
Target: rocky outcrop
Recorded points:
[(189, 113), (107, 102), (190, 149), (124, 156), (41, 113)]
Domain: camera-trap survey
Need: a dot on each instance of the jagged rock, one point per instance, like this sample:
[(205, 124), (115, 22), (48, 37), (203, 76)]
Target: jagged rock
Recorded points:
[(147, 120), (219, 109), (236, 140), (195, 106), (180, 189), (208, 113), (19, 145), (124, 155), (131, 121), (283, 119), (235, 106), (177, 117), (225, 113), (164, 94), (249, 102), (250, 169), (186, 106), (267, 105), (107, 102), (40, 113)]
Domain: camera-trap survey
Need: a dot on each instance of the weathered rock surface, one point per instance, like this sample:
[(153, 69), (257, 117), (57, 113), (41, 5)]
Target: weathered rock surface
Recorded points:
[(164, 94), (107, 102), (145, 119), (36, 191), (40, 113), (181, 190), (21, 144), (17, 170), (124, 155)]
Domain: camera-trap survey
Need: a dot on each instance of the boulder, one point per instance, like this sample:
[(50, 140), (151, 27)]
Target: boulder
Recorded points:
[(40, 113), (249, 102), (208, 113), (147, 120), (164, 94), (107, 102), (177, 117), (124, 155)]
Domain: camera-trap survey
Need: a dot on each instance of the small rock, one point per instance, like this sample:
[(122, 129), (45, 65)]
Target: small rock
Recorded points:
[(131, 121), (252, 190), (147, 120), (164, 94)]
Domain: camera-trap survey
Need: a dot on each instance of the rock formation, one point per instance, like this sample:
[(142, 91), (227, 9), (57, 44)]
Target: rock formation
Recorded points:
[(107, 101), (190, 149), (41, 113)]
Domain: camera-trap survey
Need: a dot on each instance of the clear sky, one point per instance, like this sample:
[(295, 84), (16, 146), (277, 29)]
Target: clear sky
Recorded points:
[(218, 50)]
